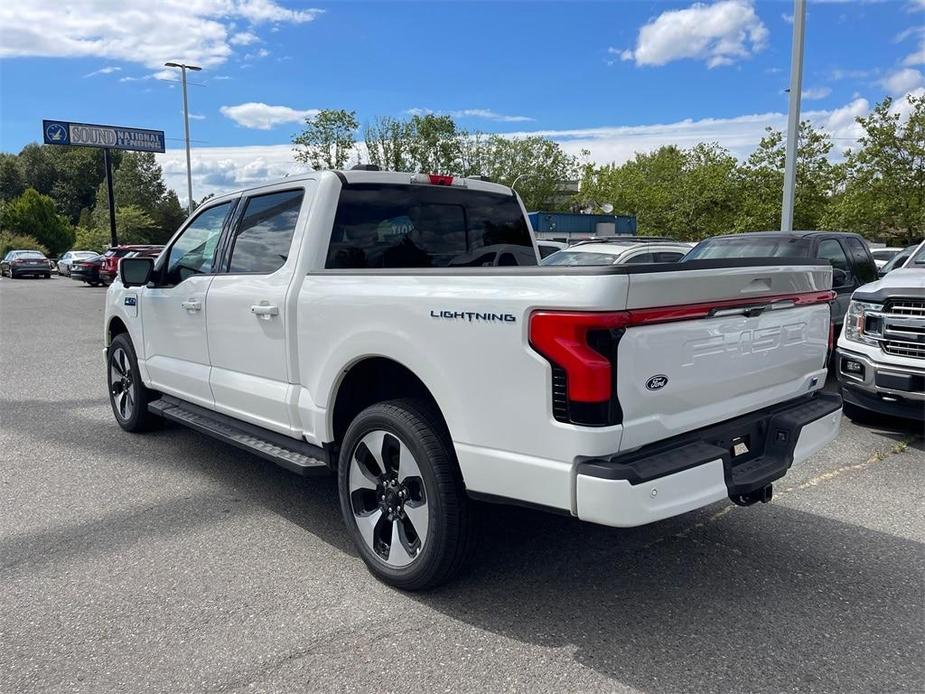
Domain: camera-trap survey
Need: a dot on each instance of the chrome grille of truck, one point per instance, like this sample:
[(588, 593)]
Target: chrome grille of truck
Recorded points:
[(906, 307), (903, 328)]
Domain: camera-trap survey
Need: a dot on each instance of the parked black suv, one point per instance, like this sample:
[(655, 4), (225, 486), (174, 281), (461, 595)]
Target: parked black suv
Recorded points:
[(852, 263)]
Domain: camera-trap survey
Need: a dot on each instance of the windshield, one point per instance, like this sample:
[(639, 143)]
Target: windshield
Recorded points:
[(897, 260), (918, 260), (28, 254), (580, 258), (750, 247), (85, 254)]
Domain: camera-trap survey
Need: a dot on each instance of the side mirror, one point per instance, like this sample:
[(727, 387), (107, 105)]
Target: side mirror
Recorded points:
[(840, 278), (136, 272)]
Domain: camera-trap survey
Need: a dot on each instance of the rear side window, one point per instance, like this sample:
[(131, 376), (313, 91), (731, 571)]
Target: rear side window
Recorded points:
[(261, 243), (864, 266), (420, 226), (667, 256), (641, 258), (750, 247)]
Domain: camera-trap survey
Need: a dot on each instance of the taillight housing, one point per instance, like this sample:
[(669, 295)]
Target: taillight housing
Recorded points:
[(582, 350)]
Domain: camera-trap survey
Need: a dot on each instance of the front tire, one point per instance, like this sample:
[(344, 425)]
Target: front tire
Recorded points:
[(402, 495), (128, 396)]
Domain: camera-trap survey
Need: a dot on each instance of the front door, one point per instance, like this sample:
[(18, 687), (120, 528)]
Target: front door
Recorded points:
[(176, 353), (247, 316)]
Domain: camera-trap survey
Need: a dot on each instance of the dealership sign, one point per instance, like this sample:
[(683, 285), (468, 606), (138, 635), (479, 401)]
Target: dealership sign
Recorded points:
[(109, 136)]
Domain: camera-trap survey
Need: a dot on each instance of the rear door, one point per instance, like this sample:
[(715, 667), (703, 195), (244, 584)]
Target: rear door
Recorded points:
[(247, 309)]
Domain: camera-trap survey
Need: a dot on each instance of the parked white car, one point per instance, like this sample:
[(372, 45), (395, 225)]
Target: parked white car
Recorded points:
[(66, 260), (619, 252), (883, 255), (881, 350), (321, 322)]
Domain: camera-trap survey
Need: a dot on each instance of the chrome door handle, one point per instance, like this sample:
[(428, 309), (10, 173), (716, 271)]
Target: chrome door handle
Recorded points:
[(191, 305), (265, 310)]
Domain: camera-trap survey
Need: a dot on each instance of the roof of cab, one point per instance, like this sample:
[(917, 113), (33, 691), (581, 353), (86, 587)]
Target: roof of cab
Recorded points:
[(797, 234), (364, 176)]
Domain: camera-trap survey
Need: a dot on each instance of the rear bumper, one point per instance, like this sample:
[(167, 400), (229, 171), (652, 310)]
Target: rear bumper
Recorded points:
[(698, 468)]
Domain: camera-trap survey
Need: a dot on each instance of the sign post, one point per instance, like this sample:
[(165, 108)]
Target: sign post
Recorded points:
[(107, 137)]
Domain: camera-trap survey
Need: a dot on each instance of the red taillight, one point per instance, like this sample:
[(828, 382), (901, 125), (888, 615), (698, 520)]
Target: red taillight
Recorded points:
[(440, 180), (563, 339)]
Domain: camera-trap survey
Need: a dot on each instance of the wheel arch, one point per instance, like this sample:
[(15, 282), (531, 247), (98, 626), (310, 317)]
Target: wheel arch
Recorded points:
[(116, 326), (372, 379)]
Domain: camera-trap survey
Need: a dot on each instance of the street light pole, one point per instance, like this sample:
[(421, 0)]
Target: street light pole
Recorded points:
[(189, 172), (793, 116)]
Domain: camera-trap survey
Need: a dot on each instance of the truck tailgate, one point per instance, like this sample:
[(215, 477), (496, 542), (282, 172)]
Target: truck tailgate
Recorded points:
[(712, 345)]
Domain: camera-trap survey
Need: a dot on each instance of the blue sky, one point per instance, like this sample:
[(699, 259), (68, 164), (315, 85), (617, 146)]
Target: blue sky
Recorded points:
[(615, 77)]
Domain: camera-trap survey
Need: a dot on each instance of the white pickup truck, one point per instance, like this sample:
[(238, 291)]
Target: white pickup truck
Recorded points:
[(881, 350), (396, 328)]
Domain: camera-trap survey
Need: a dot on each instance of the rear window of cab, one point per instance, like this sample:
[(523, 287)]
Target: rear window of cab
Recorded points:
[(421, 226)]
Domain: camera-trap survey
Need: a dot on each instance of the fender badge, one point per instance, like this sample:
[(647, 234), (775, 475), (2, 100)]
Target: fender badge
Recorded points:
[(657, 382)]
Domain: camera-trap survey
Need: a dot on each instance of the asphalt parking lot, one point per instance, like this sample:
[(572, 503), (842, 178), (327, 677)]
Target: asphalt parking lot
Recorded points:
[(170, 562)]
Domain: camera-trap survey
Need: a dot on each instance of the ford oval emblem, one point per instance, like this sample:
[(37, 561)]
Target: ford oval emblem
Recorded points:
[(657, 382)]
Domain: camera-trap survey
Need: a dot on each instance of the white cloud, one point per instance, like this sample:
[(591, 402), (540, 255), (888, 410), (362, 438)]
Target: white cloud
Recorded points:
[(196, 116), (260, 116), (223, 169), (484, 113), (222, 77), (244, 38), (903, 81), (719, 34), (816, 93), (136, 31), (103, 71), (262, 53)]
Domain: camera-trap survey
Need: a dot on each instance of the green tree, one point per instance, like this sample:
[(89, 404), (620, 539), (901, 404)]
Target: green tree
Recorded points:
[(33, 214), (327, 139), (433, 144), (388, 144), (139, 181), (168, 215), (761, 181), (884, 194), (539, 165), (18, 242), (91, 239), (12, 182), (133, 224)]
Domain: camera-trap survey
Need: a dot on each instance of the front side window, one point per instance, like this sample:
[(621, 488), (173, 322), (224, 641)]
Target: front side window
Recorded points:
[(420, 226), (194, 250), (831, 250)]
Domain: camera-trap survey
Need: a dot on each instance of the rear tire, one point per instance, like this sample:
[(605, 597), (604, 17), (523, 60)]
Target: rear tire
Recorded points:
[(399, 481), (128, 396)]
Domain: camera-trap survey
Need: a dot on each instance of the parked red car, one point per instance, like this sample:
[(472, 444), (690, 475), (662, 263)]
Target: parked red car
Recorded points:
[(111, 257)]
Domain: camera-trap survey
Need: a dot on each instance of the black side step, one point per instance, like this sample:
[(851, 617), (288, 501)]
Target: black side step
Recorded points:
[(292, 454)]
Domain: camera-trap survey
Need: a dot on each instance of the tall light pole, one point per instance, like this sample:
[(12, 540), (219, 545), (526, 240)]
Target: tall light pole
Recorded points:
[(793, 115), (189, 172)]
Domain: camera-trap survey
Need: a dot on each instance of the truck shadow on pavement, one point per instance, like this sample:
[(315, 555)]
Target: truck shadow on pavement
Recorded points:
[(762, 599)]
